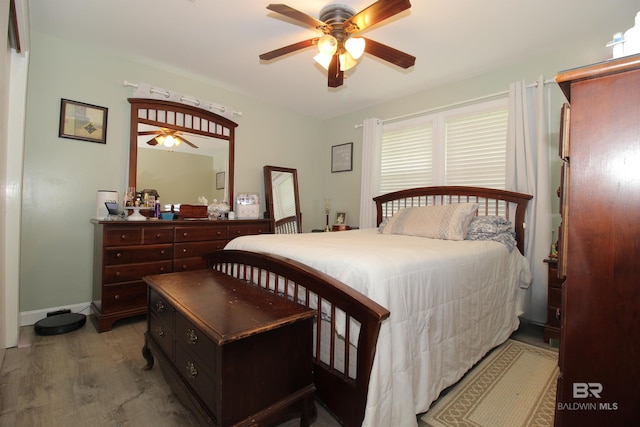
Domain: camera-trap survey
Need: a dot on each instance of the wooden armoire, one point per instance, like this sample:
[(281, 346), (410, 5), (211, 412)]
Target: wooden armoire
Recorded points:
[(599, 383)]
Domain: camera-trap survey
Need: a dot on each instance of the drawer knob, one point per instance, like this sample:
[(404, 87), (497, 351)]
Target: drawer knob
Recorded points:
[(158, 236), (557, 314), (185, 234), (191, 370), (116, 297), (192, 338), (162, 269), (159, 306), (119, 255), (123, 237), (162, 252), (159, 331), (184, 251)]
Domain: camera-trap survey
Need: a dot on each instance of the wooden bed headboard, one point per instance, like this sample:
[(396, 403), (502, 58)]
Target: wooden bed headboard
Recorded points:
[(491, 201)]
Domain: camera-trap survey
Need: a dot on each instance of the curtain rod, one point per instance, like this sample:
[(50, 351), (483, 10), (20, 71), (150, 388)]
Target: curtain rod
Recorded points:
[(455, 104), (205, 105)]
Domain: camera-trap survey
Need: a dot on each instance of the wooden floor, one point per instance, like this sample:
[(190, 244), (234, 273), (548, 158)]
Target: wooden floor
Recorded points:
[(83, 378)]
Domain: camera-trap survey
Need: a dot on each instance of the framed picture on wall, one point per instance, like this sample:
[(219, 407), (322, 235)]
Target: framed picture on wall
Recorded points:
[(82, 121), (220, 181), (342, 157)]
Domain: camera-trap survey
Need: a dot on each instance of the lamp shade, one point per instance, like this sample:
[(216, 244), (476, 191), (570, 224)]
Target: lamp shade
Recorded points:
[(327, 45), (324, 60), (355, 46), (347, 62)]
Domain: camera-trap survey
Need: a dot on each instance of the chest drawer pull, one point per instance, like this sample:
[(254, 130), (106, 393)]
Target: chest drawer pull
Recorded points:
[(159, 306), (192, 338), (159, 331), (185, 234), (191, 370), (557, 314)]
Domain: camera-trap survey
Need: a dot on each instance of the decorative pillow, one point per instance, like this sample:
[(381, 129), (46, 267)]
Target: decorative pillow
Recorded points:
[(447, 222), (494, 228)]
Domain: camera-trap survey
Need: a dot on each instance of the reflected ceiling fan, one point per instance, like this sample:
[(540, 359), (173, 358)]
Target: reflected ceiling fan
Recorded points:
[(338, 49), (167, 137)]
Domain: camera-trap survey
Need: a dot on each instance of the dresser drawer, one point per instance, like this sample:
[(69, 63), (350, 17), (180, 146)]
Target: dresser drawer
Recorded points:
[(247, 229), (131, 272), (196, 342), (123, 236), (200, 234), (197, 249), (157, 235), (162, 335), (137, 254), (124, 296), (188, 264)]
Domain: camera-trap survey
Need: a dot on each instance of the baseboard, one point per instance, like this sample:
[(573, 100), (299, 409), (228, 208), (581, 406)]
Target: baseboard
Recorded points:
[(30, 317)]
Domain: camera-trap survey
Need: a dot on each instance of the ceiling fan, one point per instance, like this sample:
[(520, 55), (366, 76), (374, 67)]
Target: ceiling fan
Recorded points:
[(167, 137), (339, 50)]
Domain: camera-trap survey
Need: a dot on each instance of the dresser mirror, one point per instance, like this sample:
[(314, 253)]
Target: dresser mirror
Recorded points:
[(202, 165), (282, 199)]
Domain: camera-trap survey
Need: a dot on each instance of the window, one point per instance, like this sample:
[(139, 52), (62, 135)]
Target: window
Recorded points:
[(465, 146)]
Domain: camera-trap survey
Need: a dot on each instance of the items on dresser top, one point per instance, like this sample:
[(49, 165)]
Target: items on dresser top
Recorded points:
[(124, 252)]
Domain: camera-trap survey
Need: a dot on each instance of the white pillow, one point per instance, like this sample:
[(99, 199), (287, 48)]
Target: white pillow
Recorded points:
[(448, 222)]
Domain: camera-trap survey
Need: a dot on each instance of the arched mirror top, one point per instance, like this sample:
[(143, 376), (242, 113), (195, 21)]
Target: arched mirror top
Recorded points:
[(149, 115), (282, 199)]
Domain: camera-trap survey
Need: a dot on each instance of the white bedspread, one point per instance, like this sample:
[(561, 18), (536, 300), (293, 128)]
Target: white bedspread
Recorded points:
[(450, 303)]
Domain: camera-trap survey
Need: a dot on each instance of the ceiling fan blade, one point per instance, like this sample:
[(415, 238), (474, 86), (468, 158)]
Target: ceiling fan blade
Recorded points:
[(149, 132), (185, 141), (382, 51), (335, 76), (292, 13), (378, 11), (153, 142), (288, 49)]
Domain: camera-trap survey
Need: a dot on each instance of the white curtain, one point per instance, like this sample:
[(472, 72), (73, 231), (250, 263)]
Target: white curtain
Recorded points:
[(370, 179), (528, 172)]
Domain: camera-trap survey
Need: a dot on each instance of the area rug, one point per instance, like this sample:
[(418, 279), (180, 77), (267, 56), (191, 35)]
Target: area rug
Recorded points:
[(515, 385)]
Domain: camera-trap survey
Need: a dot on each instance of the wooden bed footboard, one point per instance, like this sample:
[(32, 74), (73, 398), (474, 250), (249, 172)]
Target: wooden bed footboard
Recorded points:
[(344, 356)]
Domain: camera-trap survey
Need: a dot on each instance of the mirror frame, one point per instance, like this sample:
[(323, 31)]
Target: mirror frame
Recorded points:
[(282, 226), (184, 118)]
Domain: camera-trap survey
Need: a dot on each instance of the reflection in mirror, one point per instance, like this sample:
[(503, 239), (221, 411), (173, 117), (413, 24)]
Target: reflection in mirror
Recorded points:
[(183, 173), (282, 198)]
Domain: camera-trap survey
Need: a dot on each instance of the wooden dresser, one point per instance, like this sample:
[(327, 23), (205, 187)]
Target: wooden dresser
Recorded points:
[(126, 251), (232, 352), (600, 247)]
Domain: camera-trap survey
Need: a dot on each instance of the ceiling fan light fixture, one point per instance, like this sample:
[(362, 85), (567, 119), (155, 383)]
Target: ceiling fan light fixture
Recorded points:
[(355, 46), (323, 60), (347, 61), (327, 45), (168, 140)]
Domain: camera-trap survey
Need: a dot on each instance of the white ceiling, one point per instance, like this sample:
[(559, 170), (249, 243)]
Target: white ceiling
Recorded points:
[(221, 40)]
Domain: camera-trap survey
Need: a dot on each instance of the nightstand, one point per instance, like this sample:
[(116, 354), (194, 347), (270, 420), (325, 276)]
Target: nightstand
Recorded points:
[(554, 301)]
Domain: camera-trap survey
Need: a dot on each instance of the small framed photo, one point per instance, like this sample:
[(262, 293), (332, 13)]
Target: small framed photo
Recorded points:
[(220, 181), (341, 218), (82, 121), (342, 157)]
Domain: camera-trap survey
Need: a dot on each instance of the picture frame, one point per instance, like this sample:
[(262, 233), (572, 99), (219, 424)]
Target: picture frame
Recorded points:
[(82, 121), (220, 181), (342, 157), (341, 218)]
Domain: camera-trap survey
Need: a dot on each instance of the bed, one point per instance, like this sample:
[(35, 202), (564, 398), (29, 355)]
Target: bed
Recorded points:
[(400, 315)]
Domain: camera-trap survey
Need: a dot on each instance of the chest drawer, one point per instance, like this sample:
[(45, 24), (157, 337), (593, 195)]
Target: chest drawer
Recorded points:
[(159, 307), (195, 376), (131, 272), (196, 342), (135, 254), (123, 236), (200, 234)]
